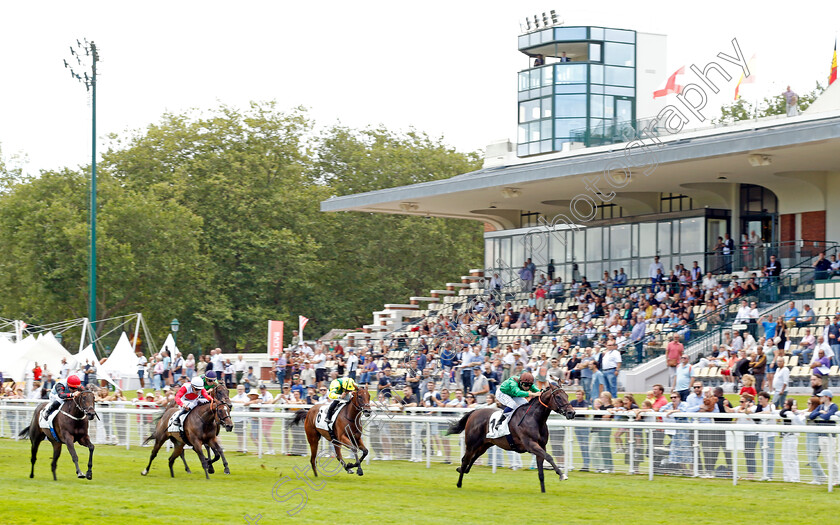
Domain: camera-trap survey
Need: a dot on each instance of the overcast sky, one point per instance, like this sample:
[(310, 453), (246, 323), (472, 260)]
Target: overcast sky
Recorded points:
[(445, 67)]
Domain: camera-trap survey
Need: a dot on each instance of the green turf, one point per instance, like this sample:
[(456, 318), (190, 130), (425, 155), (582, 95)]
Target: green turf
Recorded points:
[(389, 492)]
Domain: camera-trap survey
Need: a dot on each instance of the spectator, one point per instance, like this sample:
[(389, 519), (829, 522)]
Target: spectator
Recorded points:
[(792, 102), (750, 438), (241, 399), (612, 366), (680, 447), (189, 366), (673, 354), (480, 386), (806, 318), (822, 267), (758, 366), (383, 389), (683, 378), (527, 278), (790, 441), (748, 387), (597, 382), (250, 380), (656, 270), (781, 379)]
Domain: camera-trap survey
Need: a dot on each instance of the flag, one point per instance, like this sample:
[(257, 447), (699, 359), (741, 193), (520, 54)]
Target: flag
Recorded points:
[(832, 76), (746, 80), (671, 85), (301, 323), (275, 339)]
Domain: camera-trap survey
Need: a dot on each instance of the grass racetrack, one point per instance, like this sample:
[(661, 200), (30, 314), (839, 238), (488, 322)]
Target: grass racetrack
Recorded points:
[(389, 492)]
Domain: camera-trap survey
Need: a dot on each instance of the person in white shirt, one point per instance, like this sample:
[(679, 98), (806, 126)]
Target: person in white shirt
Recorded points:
[(737, 342), (754, 311), (743, 313), (767, 439), (656, 268), (821, 345), (780, 382), (217, 360), (141, 368), (749, 342), (709, 282), (239, 401), (351, 363), (240, 366), (806, 346)]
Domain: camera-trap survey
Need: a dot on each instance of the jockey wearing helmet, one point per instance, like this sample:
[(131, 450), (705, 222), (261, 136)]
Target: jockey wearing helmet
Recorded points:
[(63, 390), (339, 388), (190, 395), (514, 391), (209, 380)]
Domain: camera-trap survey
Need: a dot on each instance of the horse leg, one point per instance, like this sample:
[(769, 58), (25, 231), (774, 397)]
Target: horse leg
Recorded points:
[(540, 474), (85, 442), (210, 462), (538, 450), (478, 453), (177, 451), (337, 446), (36, 439), (68, 440), (204, 461), (158, 443), (313, 437), (56, 452), (217, 447), (361, 446), (184, 459)]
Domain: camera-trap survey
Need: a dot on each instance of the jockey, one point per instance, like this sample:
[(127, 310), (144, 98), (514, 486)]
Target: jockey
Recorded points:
[(209, 380), (339, 388), (514, 390), (190, 395), (63, 390)]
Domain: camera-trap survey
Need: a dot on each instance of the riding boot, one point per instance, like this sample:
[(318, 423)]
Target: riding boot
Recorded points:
[(330, 412), (50, 409)]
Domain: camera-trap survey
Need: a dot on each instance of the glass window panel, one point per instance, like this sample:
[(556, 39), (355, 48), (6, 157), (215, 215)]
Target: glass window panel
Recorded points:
[(619, 54), (570, 106), (529, 110), (566, 34), (579, 245), (620, 241), (533, 132), (594, 53), (557, 246), (624, 110), (595, 33), (489, 253), (523, 133), (609, 107), (605, 252), (546, 108), (522, 41), (522, 150), (568, 73), (593, 272), (569, 88), (598, 128), (596, 106), (593, 244), (664, 247), (504, 252), (597, 72), (534, 148), (546, 36), (621, 91), (691, 235), (675, 239), (517, 252), (523, 95), (546, 146), (546, 91), (647, 239), (524, 80), (618, 265), (565, 127), (619, 76), (636, 269), (595, 88), (545, 129), (534, 76), (534, 38), (547, 75), (620, 35), (634, 242)]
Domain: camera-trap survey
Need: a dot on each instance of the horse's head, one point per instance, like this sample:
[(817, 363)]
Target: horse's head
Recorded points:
[(223, 416), (222, 395), (558, 400), (86, 402), (361, 398)]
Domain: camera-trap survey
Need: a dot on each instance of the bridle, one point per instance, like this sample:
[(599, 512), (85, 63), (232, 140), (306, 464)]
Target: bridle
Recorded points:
[(551, 391), (85, 414)]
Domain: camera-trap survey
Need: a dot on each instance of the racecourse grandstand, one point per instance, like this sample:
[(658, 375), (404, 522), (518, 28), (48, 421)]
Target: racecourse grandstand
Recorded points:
[(614, 209)]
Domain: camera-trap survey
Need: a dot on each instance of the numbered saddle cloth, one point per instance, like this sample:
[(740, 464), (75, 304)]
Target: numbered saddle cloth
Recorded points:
[(174, 425), (44, 423), (321, 418), (496, 430)]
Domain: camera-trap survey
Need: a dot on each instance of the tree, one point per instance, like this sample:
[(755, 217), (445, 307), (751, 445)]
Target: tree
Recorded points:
[(741, 109)]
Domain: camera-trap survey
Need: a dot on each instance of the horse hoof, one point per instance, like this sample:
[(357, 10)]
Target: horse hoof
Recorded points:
[(350, 471), (211, 471), (458, 470), (31, 476), (144, 472), (188, 471), (89, 475), (360, 473), (227, 470), (80, 475)]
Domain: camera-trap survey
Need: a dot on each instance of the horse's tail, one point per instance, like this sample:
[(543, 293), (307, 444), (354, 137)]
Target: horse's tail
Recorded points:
[(159, 430), (23, 434), (458, 426), (300, 415)]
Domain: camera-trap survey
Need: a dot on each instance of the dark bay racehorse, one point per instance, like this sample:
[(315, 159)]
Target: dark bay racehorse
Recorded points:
[(527, 429), (201, 427), (71, 426), (347, 428)]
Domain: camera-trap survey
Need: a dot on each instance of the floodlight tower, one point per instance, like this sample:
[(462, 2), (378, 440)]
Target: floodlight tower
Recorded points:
[(84, 55)]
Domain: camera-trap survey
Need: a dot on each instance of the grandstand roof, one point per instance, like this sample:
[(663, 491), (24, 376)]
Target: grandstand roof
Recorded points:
[(701, 163)]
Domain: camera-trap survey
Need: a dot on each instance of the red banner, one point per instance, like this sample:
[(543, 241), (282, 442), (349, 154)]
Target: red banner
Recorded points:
[(275, 339)]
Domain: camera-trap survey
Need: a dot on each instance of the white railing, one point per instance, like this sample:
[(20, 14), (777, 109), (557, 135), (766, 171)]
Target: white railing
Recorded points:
[(735, 449)]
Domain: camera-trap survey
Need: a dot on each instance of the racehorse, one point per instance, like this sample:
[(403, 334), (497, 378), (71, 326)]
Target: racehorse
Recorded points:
[(71, 425), (347, 429), (221, 394), (201, 427), (527, 430)]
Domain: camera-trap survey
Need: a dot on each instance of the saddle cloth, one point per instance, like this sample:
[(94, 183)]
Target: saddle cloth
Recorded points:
[(174, 425), (321, 418), (494, 429), (45, 424)]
